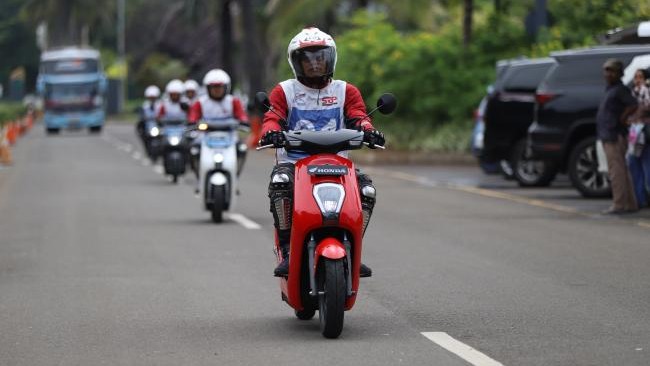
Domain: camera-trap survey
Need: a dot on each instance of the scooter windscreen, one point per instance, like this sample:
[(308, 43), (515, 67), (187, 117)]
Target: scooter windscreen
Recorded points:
[(313, 142)]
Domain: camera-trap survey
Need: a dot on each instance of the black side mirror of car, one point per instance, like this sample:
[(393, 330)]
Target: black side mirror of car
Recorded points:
[(387, 103)]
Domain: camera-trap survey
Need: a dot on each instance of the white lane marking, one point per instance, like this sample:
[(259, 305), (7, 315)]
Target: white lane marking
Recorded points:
[(480, 191), (243, 221), (128, 148), (145, 162), (158, 169), (460, 349), (136, 155)]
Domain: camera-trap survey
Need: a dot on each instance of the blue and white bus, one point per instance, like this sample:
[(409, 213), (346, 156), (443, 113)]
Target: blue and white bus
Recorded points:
[(72, 84)]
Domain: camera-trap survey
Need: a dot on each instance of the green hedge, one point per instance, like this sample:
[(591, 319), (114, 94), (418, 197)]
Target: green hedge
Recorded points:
[(9, 111)]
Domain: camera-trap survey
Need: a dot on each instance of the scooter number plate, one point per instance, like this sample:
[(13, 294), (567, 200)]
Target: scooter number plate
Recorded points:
[(217, 141)]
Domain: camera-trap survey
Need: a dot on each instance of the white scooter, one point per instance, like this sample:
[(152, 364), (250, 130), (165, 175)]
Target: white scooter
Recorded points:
[(221, 159)]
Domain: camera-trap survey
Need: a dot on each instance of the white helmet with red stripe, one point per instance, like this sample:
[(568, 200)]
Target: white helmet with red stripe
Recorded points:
[(309, 45)]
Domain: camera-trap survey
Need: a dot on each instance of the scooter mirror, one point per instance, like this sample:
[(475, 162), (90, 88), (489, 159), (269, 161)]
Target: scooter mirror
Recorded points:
[(262, 101), (386, 103)]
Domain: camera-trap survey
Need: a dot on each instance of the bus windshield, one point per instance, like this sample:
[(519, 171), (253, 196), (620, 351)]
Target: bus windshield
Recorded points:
[(69, 66)]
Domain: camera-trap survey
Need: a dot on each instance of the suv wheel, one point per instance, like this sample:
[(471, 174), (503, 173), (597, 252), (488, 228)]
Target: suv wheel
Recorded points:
[(583, 170), (530, 173)]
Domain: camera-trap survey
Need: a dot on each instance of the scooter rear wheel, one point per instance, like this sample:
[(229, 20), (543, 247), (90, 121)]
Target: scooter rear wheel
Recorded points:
[(331, 303)]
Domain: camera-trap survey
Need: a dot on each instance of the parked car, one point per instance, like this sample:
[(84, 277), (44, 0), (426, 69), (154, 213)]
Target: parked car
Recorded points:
[(508, 112), (564, 130)]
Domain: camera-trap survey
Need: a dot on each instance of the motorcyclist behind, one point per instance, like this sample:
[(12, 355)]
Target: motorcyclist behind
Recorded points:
[(219, 104), (312, 101), (149, 108), (172, 108), (191, 92)]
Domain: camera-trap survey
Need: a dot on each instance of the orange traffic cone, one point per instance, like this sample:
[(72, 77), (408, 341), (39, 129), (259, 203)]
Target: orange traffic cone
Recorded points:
[(12, 133), (5, 152)]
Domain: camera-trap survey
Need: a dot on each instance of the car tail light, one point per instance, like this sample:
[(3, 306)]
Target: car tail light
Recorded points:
[(544, 97)]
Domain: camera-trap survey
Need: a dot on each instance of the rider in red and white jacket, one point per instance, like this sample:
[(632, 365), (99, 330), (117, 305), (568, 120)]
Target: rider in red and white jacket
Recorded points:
[(312, 101), (172, 108), (217, 103)]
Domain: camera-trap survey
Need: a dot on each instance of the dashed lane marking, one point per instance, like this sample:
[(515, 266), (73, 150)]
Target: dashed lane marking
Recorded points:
[(158, 169), (136, 155), (460, 349), (243, 221)]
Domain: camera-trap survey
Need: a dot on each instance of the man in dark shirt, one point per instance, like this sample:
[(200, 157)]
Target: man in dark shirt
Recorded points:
[(611, 122)]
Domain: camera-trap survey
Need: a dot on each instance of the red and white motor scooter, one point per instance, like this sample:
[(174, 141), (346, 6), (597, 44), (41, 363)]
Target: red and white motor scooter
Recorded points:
[(327, 223)]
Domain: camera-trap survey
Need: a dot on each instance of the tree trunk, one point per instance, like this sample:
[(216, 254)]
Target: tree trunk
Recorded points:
[(468, 10), (226, 33), (253, 61)]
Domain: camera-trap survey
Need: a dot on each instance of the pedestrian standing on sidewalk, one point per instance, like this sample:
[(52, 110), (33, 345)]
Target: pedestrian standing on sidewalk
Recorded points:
[(638, 152), (611, 123)]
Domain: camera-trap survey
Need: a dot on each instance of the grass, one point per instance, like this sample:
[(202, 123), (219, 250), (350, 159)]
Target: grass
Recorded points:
[(450, 137)]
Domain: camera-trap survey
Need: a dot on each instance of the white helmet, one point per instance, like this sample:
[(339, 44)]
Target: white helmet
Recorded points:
[(152, 91), (216, 77), (191, 85), (309, 44), (175, 86)]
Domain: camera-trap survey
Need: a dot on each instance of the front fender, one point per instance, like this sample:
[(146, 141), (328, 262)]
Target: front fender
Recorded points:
[(329, 248), (218, 179)]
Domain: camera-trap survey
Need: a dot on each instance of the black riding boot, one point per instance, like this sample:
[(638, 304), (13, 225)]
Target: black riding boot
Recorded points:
[(282, 270)]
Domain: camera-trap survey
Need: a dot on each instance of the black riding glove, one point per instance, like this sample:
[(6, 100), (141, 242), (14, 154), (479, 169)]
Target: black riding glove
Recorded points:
[(275, 138), (373, 138)]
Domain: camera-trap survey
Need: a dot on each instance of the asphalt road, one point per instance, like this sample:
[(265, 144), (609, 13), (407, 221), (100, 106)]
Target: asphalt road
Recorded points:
[(104, 261)]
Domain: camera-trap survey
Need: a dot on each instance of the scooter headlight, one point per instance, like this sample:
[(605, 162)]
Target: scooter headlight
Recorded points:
[(154, 131), (203, 126), (174, 140), (329, 197), (218, 158)]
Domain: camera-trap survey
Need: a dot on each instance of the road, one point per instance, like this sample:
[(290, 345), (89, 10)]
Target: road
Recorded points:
[(104, 261)]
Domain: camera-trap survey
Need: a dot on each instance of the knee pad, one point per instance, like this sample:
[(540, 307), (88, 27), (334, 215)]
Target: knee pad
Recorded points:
[(281, 196), (368, 199)]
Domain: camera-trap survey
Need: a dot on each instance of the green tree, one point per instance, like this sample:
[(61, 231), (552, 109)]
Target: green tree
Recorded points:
[(17, 43)]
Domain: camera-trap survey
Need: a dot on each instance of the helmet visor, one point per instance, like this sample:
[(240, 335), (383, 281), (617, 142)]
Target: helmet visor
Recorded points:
[(314, 62)]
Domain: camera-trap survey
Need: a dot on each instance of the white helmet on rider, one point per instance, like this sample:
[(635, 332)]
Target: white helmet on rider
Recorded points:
[(312, 45), (175, 86), (216, 77), (152, 91), (191, 85)]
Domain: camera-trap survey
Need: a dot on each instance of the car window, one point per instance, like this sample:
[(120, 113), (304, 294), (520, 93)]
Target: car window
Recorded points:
[(525, 78), (581, 71)]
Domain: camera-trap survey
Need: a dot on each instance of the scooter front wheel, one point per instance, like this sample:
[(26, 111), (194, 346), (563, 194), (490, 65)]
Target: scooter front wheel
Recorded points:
[(331, 298), (218, 200)]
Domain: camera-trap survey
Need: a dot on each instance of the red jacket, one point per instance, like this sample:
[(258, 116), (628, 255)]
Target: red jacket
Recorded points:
[(196, 110)]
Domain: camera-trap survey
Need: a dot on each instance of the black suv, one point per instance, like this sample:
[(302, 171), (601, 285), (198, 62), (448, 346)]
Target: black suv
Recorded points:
[(564, 130), (509, 113)]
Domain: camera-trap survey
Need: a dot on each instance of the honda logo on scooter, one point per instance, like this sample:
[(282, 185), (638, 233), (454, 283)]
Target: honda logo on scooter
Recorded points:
[(324, 170)]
